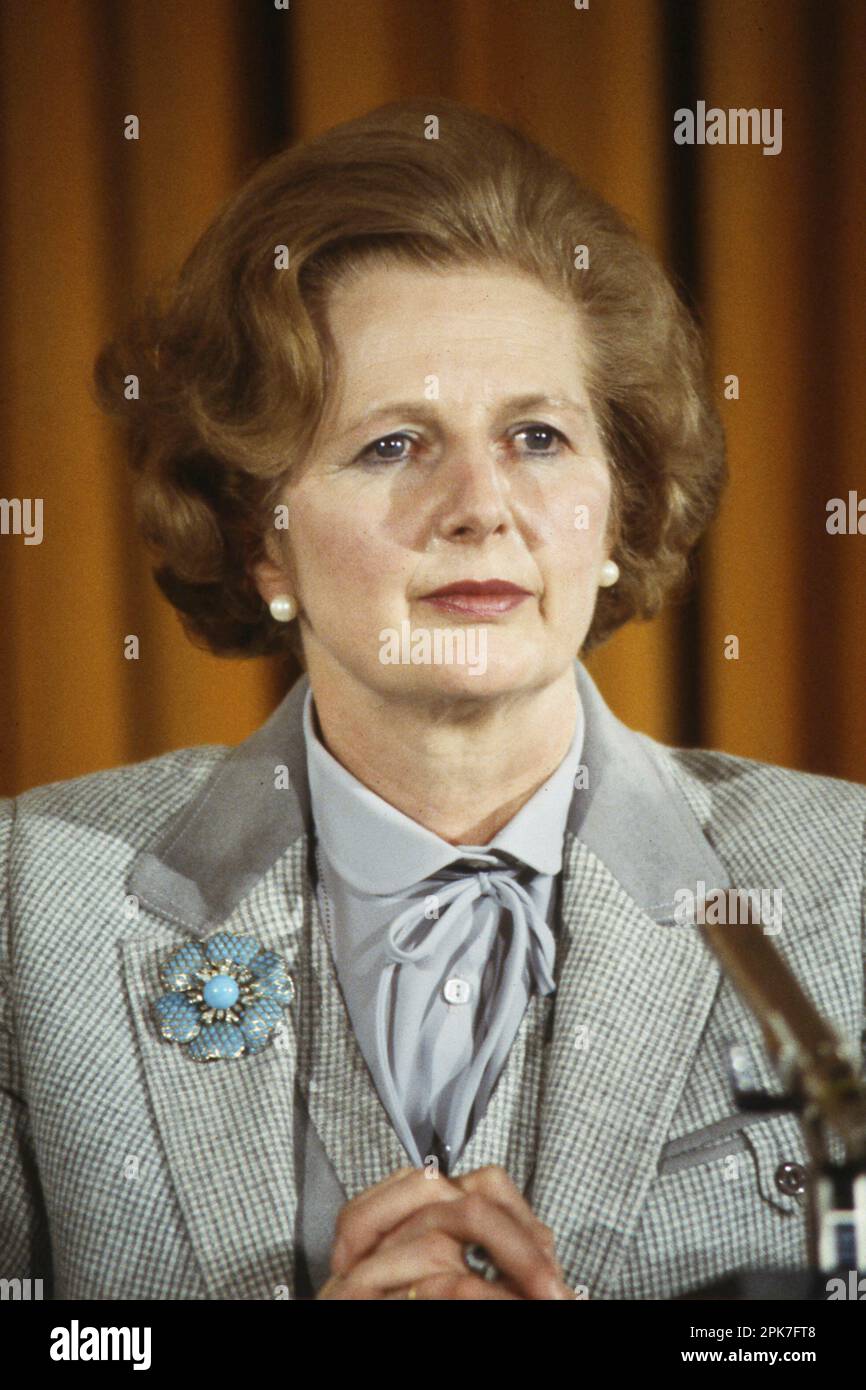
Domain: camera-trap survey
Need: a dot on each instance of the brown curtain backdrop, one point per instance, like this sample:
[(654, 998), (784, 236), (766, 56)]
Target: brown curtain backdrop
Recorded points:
[(769, 249)]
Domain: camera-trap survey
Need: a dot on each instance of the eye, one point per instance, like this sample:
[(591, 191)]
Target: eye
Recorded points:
[(544, 434), (394, 448), (383, 450)]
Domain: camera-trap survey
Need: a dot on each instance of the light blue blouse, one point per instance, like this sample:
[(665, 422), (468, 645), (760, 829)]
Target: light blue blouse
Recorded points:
[(436, 963)]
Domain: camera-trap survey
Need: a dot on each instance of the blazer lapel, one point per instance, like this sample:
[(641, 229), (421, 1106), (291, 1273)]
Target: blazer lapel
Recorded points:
[(227, 1126), (237, 859), (634, 990)]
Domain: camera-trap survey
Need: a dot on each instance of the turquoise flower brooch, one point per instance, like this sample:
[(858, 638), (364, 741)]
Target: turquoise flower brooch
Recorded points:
[(226, 996)]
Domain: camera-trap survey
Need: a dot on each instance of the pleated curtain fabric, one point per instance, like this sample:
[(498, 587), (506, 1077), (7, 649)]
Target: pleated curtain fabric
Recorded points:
[(770, 249)]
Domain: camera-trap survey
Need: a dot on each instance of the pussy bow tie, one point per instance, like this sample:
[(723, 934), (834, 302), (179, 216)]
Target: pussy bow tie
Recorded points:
[(413, 938)]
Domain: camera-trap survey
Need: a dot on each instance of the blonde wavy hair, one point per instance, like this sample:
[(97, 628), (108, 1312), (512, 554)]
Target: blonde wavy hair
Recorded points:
[(234, 358)]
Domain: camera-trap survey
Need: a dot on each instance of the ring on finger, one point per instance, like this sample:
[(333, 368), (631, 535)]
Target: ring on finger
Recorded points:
[(476, 1258)]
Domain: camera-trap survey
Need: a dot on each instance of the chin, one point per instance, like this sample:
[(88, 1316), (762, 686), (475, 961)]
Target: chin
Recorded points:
[(483, 679)]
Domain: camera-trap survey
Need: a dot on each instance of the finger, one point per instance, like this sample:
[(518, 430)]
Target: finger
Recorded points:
[(386, 1272), (398, 1175), (409, 1231), (511, 1246), (363, 1222), (456, 1287), (496, 1184)]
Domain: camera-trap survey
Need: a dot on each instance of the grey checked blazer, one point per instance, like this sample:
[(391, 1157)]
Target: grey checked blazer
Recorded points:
[(127, 1170)]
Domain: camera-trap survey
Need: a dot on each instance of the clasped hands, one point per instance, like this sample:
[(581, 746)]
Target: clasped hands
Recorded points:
[(405, 1238)]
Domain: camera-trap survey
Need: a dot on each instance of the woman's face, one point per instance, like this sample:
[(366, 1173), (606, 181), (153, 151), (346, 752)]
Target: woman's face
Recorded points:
[(457, 445)]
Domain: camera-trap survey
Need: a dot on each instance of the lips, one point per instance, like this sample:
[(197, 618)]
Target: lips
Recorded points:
[(478, 598), (477, 586)]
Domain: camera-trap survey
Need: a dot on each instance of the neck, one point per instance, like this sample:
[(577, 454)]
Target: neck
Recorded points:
[(462, 772)]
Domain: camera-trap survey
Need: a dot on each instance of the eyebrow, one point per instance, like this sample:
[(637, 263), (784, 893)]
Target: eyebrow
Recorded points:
[(421, 410)]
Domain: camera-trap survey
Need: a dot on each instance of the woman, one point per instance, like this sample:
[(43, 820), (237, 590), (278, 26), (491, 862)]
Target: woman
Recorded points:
[(424, 412)]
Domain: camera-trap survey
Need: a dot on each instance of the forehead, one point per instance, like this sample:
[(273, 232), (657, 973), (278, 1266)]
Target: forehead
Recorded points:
[(479, 331)]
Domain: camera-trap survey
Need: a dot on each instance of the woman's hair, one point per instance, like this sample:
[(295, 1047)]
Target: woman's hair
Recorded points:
[(233, 362)]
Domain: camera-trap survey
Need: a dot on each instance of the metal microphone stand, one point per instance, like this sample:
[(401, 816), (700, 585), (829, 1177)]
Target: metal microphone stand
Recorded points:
[(825, 1088)]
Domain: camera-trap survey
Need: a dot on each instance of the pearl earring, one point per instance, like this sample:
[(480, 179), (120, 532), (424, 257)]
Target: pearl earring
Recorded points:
[(609, 574), (283, 608)]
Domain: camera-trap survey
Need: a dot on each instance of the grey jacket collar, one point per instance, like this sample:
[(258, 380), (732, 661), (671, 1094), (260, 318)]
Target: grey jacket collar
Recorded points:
[(631, 815)]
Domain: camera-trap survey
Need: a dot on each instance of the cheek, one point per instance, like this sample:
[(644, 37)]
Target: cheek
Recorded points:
[(337, 549), (575, 522)]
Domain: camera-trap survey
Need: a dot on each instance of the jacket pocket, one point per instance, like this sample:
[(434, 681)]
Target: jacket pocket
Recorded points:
[(769, 1147)]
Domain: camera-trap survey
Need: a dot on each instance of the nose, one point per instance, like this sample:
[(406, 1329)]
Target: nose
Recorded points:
[(473, 495)]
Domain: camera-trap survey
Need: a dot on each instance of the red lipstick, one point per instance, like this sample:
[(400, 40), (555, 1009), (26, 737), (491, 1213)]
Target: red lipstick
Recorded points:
[(478, 598)]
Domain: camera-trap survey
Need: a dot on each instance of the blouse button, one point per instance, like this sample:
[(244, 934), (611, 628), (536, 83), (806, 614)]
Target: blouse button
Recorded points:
[(457, 991)]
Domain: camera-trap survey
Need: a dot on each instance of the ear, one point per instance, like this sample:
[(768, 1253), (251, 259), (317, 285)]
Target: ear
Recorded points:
[(272, 573)]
